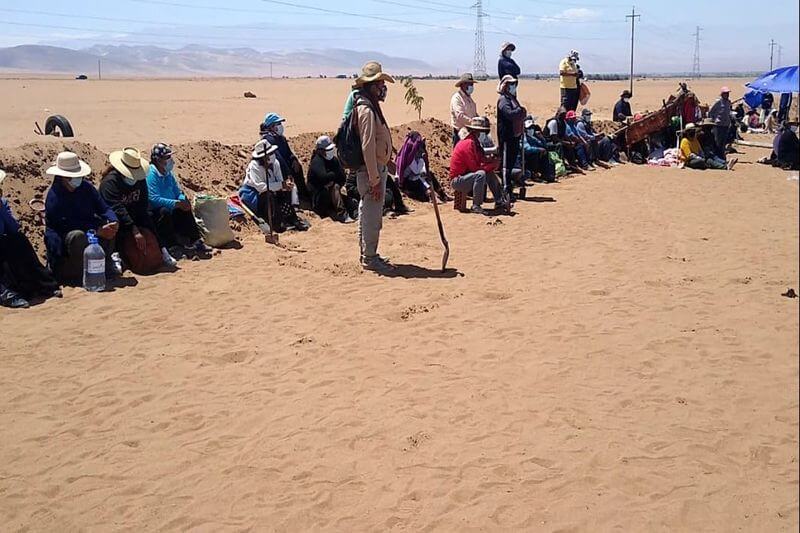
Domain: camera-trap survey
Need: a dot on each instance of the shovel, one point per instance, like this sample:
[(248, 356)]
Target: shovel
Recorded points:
[(265, 228), (446, 245)]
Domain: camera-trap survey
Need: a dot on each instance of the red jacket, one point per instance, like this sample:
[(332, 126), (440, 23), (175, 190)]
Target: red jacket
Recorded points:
[(468, 157)]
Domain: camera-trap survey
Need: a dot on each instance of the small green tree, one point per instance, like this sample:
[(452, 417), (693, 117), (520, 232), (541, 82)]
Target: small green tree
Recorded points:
[(413, 98)]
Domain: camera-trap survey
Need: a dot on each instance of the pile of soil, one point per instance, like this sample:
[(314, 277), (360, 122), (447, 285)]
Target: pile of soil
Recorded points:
[(206, 167)]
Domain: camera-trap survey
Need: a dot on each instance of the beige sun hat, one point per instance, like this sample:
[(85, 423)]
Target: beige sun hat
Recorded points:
[(372, 71), (479, 124), (130, 163), (69, 165), (508, 79), (506, 45), (263, 148), (466, 79)]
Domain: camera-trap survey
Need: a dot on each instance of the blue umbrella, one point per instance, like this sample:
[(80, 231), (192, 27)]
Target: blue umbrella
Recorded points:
[(781, 80)]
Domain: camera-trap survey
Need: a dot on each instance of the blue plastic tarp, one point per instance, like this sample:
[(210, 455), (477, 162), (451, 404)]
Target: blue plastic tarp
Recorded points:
[(753, 98), (781, 80)]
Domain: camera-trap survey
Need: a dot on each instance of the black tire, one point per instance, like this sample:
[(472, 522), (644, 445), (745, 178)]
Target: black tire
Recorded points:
[(59, 122)]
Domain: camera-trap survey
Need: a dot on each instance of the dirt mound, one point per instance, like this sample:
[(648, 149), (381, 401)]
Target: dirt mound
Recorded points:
[(609, 127), (207, 167)]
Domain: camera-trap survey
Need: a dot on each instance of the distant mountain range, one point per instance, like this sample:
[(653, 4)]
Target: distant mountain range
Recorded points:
[(194, 60)]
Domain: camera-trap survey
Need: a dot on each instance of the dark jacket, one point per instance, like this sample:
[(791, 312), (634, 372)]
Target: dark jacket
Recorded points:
[(322, 172), (622, 110), (506, 65), (8, 224), (129, 202), (788, 148), (510, 118), (284, 150), (82, 209)]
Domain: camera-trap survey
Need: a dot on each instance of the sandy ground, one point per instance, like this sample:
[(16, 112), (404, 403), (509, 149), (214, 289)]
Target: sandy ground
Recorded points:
[(617, 355), (112, 114)]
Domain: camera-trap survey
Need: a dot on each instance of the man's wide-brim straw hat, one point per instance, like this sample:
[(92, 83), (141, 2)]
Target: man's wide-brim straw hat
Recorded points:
[(130, 163), (466, 79), (479, 124), (371, 72), (69, 165)]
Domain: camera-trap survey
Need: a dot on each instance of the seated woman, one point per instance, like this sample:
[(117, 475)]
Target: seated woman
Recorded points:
[(169, 207), (537, 155), (413, 170), (325, 180), (272, 131), (263, 183), (22, 275), (73, 207), (692, 155), (392, 201), (124, 188), (708, 143)]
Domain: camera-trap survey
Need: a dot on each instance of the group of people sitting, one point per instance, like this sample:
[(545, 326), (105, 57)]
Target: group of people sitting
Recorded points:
[(139, 215)]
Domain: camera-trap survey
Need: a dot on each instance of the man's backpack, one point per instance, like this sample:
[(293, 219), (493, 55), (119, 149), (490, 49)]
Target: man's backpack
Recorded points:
[(348, 141)]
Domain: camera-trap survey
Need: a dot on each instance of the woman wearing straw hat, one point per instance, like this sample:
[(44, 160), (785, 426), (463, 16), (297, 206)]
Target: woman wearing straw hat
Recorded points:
[(124, 188), (22, 275), (462, 106), (376, 147), (72, 208)]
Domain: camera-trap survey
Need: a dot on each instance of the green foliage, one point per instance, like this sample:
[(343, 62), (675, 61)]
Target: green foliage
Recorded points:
[(412, 97)]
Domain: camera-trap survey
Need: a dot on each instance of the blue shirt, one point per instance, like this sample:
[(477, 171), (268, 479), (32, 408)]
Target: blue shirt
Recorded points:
[(163, 191), (8, 224)]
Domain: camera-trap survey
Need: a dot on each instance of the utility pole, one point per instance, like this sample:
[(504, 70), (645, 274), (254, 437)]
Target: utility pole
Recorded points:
[(633, 16), (479, 60), (772, 45), (696, 62), (270, 70), (99, 73)]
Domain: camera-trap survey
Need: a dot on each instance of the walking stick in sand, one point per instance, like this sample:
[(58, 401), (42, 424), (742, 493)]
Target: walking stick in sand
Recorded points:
[(446, 244)]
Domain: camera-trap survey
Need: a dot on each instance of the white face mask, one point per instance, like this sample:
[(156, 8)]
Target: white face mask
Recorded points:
[(794, 129), (483, 137), (626, 100), (279, 129), (271, 159), (507, 53), (75, 182), (512, 90), (469, 89), (328, 154)]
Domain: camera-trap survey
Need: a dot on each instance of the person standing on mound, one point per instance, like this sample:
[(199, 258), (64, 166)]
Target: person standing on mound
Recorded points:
[(376, 147)]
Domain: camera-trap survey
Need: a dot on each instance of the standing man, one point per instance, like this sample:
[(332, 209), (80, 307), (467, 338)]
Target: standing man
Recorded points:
[(505, 65), (720, 113), (569, 75), (462, 106), (510, 127), (376, 146), (622, 109)]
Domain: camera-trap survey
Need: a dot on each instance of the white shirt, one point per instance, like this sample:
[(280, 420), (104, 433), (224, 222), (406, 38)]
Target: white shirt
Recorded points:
[(257, 177)]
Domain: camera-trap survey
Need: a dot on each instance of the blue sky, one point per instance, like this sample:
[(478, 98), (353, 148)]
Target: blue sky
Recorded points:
[(735, 34)]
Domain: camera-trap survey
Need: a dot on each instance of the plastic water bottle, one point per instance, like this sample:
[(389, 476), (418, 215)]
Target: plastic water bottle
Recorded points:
[(94, 265)]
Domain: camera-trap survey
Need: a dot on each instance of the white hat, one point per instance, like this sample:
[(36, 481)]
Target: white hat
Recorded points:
[(2, 176), (130, 163), (69, 165), (508, 79), (263, 148)]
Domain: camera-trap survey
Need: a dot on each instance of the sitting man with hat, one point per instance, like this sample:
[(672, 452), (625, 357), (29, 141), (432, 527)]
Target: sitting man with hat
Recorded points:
[(325, 179), (170, 209), (22, 275), (462, 106), (272, 130), (124, 188), (622, 109), (691, 152), (72, 208), (471, 170), (505, 65), (708, 143), (569, 79), (264, 189)]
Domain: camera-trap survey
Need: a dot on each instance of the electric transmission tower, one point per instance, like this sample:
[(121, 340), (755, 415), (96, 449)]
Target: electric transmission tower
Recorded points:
[(696, 63), (479, 61)]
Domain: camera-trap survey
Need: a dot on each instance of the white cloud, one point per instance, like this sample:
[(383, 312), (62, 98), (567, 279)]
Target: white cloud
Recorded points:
[(573, 14), (519, 19)]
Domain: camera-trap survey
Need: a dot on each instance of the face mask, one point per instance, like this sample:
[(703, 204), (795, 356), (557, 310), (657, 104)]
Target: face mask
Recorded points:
[(328, 154), (271, 159), (279, 129), (470, 89), (382, 93), (483, 138), (507, 54), (512, 90), (75, 182), (626, 100), (169, 165)]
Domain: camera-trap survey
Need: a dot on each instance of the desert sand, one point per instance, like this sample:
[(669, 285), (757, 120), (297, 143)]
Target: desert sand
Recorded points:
[(617, 356)]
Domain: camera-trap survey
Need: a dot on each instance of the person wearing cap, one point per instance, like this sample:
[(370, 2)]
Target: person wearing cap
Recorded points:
[(376, 147), (691, 151), (263, 183), (22, 275), (622, 109), (537, 155), (505, 65), (580, 145), (472, 171), (325, 179), (720, 113), (462, 106), (124, 188), (72, 208), (603, 148), (569, 79), (169, 207), (510, 127), (557, 132), (272, 130)]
